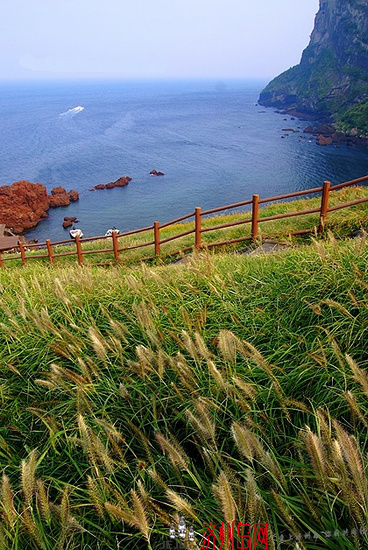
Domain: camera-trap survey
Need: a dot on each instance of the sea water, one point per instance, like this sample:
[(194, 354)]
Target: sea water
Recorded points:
[(212, 140)]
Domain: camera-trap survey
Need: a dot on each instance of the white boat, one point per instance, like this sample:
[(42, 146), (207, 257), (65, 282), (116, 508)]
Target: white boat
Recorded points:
[(77, 109), (76, 233), (109, 232), (73, 111)]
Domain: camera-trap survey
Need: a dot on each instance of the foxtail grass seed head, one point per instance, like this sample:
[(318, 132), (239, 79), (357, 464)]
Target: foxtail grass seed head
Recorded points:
[(228, 345), (99, 345), (224, 494), (174, 451), (216, 375), (317, 454), (28, 470), (7, 507), (94, 495), (181, 504), (43, 501), (359, 374), (189, 345)]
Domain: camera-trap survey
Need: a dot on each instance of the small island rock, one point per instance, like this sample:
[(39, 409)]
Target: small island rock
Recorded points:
[(68, 221), (59, 197), (121, 182)]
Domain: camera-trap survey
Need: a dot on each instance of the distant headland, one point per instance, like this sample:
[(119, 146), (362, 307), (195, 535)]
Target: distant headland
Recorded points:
[(331, 81)]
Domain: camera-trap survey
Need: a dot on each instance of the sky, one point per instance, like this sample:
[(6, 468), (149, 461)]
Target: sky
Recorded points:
[(152, 39)]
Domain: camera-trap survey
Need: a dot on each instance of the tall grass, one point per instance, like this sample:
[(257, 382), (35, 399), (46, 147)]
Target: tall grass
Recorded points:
[(227, 388)]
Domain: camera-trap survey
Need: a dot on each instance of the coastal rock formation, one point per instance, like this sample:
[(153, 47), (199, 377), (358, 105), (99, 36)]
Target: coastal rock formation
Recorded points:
[(324, 140), (23, 205), (59, 197), (156, 173), (68, 221), (331, 81), (73, 195), (121, 182)]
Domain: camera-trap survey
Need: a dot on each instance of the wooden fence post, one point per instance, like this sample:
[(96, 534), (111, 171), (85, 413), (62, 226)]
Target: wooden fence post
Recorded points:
[(22, 253), (156, 233), (79, 249), (49, 251), (255, 212), (115, 245), (198, 227), (324, 205)]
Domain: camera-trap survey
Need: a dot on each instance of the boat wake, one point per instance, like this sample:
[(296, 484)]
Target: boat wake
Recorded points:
[(74, 111)]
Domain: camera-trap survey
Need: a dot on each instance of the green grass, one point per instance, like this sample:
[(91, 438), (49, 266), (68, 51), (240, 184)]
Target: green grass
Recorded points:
[(230, 387), (341, 222)]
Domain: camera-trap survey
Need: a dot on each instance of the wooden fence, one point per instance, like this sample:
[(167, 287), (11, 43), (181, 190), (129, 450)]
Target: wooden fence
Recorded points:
[(198, 214)]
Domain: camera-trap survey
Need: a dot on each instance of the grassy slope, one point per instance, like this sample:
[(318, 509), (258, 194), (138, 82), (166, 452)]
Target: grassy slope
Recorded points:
[(185, 389), (341, 222)]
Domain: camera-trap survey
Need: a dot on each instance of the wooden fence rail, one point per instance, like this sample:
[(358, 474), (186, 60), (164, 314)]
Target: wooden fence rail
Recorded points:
[(198, 230)]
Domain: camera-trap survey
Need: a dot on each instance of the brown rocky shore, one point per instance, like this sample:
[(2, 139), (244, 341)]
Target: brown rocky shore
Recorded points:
[(24, 204), (324, 130), (326, 133)]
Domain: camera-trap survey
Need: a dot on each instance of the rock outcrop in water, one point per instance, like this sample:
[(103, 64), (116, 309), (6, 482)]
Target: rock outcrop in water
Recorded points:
[(68, 221), (60, 197), (121, 182), (23, 204), (331, 80)]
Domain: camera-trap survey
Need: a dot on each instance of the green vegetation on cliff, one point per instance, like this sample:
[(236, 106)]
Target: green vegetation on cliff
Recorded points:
[(332, 77), (355, 117)]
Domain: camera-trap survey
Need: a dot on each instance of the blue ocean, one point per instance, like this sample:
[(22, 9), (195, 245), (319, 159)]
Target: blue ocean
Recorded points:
[(211, 139)]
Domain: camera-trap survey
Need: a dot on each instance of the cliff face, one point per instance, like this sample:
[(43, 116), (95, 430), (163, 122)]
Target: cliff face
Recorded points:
[(332, 77)]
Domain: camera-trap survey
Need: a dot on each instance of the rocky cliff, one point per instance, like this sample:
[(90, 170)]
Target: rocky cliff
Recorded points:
[(23, 204), (331, 80)]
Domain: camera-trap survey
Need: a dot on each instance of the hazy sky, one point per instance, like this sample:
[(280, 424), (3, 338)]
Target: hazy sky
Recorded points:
[(42, 39)]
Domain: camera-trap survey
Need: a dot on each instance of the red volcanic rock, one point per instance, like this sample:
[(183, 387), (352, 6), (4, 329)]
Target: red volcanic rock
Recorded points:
[(325, 129), (324, 140), (68, 221), (155, 173), (23, 205), (59, 197), (73, 195), (121, 182), (58, 191)]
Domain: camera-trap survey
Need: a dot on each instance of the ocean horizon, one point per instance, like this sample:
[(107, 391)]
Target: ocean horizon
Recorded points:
[(211, 139)]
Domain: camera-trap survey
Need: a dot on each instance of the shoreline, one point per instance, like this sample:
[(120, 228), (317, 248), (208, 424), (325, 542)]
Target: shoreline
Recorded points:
[(323, 126)]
